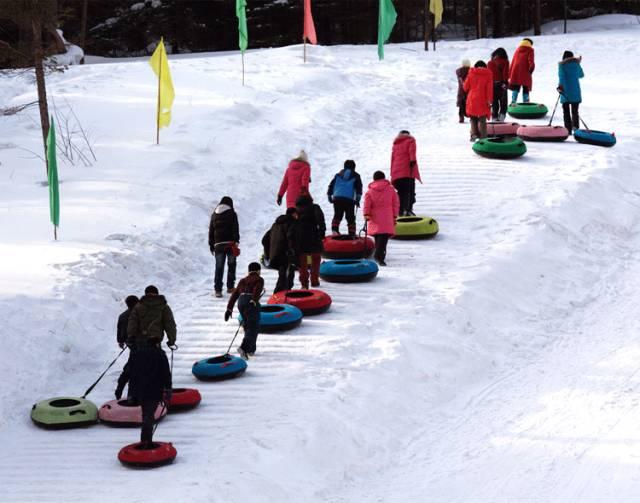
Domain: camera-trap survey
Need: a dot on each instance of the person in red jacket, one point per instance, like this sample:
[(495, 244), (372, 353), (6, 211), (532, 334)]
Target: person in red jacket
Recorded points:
[(296, 180), (522, 66), (499, 66), (479, 88), (405, 171), (381, 208)]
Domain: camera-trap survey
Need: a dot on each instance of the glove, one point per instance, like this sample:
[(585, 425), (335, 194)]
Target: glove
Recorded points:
[(227, 315), (168, 393), (358, 203), (279, 200), (412, 164), (172, 345), (560, 88)]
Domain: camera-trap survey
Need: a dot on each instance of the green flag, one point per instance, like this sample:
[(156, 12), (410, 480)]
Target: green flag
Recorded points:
[(386, 20), (241, 12), (52, 174)]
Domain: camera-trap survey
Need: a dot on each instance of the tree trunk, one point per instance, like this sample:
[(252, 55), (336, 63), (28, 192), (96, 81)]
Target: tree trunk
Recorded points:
[(427, 27), (83, 26), (537, 17), (38, 56), (482, 22), (498, 18)]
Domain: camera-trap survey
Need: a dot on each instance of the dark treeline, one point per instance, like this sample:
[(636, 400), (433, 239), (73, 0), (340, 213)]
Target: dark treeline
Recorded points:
[(131, 28)]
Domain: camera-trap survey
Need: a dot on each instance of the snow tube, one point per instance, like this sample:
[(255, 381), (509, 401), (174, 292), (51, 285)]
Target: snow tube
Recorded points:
[(183, 399), (500, 148), (502, 128), (527, 110), (278, 318), (348, 270), (346, 246), (126, 414), (543, 133), (310, 302), (219, 368), (591, 137), (415, 228), (139, 456), (64, 412)]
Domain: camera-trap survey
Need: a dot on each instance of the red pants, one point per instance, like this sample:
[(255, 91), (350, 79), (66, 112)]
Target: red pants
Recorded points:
[(309, 260)]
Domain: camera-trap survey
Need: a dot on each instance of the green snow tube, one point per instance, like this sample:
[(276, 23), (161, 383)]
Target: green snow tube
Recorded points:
[(527, 110), (500, 148), (417, 227), (64, 412)]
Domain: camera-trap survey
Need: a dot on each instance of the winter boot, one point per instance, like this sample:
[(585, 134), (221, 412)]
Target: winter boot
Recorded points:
[(218, 293), (243, 354)]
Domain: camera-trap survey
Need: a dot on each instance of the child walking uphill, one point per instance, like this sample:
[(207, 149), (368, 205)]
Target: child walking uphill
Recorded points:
[(296, 180), (461, 74), (224, 237), (248, 295), (522, 66), (381, 208), (311, 230), (404, 171), (479, 86), (345, 191), (569, 75), (499, 66)]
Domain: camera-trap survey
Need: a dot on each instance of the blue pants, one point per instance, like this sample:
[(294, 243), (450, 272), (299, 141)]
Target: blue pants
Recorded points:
[(250, 321), (525, 94), (221, 256)]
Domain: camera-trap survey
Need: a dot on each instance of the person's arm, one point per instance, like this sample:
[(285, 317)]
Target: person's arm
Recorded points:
[(366, 211), (322, 226), (121, 332), (580, 71), (532, 63), (166, 374), (306, 178), (396, 205), (235, 295), (467, 84), (284, 185), (358, 188), (330, 189), (412, 152), (257, 289), (212, 234), (133, 326), (169, 324), (489, 91), (236, 228)]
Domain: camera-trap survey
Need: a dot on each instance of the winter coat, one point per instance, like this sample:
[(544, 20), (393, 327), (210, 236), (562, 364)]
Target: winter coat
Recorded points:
[(252, 284), (282, 240), (123, 321), (149, 320), (461, 73), (295, 181), (569, 75), (150, 374), (223, 228), (522, 66), (479, 88), (346, 185), (382, 207), (311, 226), (403, 154), (499, 68)]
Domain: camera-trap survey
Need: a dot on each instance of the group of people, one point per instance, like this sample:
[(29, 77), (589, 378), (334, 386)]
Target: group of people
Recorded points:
[(483, 89)]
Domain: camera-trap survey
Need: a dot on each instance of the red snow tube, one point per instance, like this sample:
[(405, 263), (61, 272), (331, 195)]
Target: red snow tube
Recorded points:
[(122, 413), (502, 128), (310, 302), (346, 246), (151, 456), (183, 399), (543, 133)]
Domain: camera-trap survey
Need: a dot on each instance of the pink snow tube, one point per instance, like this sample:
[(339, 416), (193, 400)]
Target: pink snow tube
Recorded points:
[(543, 133), (121, 413), (502, 128)]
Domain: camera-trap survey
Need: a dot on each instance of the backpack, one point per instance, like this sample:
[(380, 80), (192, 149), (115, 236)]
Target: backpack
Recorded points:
[(344, 187)]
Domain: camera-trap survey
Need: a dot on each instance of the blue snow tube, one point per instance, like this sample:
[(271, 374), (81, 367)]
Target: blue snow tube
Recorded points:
[(348, 270), (278, 318), (219, 368), (591, 137)]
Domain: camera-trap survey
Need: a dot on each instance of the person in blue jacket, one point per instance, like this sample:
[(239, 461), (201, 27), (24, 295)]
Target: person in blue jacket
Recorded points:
[(569, 75), (345, 191)]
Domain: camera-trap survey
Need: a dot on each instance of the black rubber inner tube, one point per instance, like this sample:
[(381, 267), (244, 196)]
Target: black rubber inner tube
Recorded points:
[(298, 295), (271, 309), (64, 402), (219, 359)]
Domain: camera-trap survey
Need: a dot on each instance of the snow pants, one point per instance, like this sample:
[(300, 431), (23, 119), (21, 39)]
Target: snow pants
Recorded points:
[(148, 419), (286, 277), (571, 116), (342, 208), (499, 106), (478, 127), (406, 188), (309, 261), (250, 322), (221, 256), (381, 246)]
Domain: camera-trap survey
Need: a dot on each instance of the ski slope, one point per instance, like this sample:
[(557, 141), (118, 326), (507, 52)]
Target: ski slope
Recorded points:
[(497, 362)]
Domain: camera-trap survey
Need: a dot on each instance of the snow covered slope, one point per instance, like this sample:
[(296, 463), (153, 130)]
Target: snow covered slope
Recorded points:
[(494, 363)]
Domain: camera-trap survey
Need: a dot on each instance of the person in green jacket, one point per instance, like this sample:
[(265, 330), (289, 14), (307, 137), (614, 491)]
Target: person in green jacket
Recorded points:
[(149, 320)]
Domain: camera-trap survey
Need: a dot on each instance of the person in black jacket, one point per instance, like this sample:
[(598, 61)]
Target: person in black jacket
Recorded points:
[(121, 337), (151, 383), (345, 191), (311, 229), (283, 249), (224, 237)]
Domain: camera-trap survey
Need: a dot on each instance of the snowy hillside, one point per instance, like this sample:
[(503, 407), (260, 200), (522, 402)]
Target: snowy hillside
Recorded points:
[(498, 362)]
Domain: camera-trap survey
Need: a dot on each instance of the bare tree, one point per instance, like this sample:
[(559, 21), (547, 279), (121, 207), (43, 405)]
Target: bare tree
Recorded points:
[(537, 17), (497, 8), (482, 20)]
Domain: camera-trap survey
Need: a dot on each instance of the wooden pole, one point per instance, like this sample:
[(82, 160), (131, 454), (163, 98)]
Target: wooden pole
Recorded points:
[(433, 32), (427, 17), (158, 105), (565, 16)]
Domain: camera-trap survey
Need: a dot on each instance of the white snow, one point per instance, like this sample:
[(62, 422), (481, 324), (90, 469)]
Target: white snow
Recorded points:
[(497, 362)]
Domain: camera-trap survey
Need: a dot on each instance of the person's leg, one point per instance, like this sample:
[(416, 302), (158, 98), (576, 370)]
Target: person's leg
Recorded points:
[(474, 127), (461, 112), (350, 213), (412, 194), (514, 95), (220, 259), (566, 115), (231, 270), (304, 270), (315, 269), (338, 213), (291, 276), (525, 94), (379, 251), (399, 186), (502, 114), (575, 115), (148, 419), (251, 324), (495, 105), (281, 284), (482, 127), (122, 381), (384, 239)]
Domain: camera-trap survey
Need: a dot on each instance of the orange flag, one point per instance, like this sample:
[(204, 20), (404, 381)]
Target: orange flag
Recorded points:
[(309, 32)]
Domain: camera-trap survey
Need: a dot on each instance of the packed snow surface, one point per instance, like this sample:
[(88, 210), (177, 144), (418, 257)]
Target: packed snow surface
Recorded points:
[(499, 362)]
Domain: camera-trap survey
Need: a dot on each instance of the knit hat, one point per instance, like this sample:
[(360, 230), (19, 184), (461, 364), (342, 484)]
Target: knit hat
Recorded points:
[(151, 290), (227, 200), (302, 156), (378, 175), (567, 55), (350, 164), (466, 62), (254, 267)]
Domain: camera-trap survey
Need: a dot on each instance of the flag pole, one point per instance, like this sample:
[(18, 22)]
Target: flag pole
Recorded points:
[(158, 107), (55, 232)]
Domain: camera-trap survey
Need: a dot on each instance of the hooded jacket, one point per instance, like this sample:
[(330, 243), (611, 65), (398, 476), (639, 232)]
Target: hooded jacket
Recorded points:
[(282, 239), (311, 226), (522, 66), (382, 207), (223, 227), (403, 153), (499, 68), (479, 88), (461, 73), (295, 181), (148, 322), (569, 75), (346, 185)]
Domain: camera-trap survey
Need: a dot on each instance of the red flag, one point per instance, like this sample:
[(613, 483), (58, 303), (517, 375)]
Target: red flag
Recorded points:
[(309, 32)]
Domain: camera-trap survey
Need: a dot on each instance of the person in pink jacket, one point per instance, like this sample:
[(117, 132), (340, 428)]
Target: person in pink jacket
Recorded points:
[(404, 171), (381, 209), (296, 180)]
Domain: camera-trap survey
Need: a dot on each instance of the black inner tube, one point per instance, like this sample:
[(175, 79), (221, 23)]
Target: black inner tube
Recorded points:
[(298, 295), (64, 402), (219, 359), (409, 220), (271, 309)]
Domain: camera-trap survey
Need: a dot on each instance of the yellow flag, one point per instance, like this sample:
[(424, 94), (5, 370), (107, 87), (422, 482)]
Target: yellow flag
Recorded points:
[(435, 7), (166, 94)]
